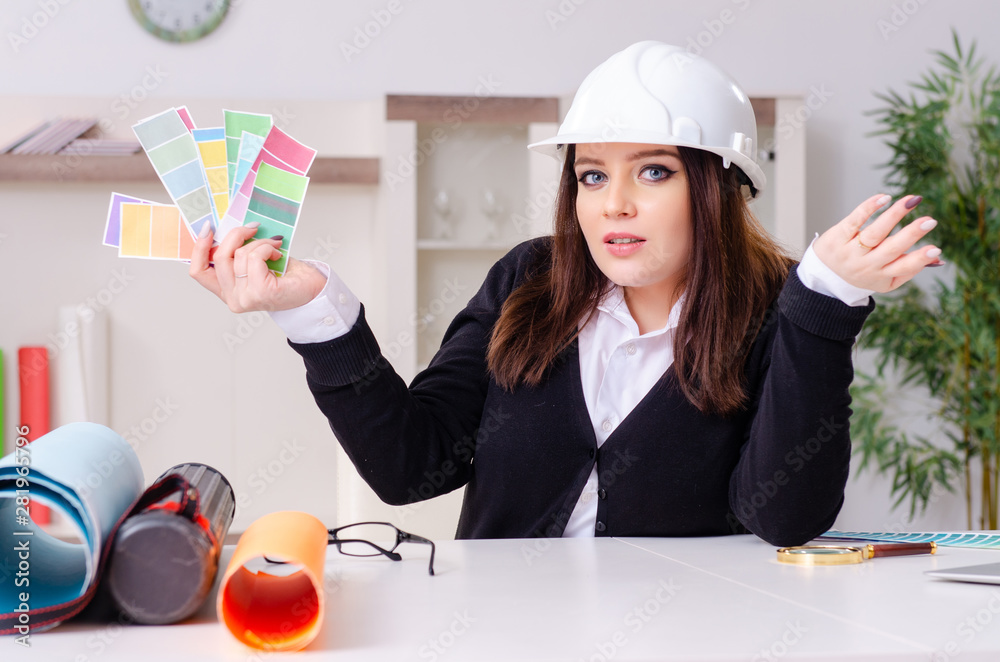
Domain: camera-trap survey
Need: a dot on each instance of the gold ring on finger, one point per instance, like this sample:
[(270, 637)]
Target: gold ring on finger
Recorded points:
[(863, 244)]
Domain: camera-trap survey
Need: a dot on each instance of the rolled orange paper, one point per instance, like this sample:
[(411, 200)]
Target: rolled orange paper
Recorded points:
[(271, 606)]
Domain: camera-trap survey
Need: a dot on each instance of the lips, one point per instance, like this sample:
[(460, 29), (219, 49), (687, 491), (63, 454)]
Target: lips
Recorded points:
[(622, 244), (621, 238)]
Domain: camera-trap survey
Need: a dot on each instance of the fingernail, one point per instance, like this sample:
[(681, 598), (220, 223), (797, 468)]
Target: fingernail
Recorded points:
[(933, 252), (913, 202), (928, 225), (884, 200), (205, 230), (278, 237), (939, 263), (253, 226)]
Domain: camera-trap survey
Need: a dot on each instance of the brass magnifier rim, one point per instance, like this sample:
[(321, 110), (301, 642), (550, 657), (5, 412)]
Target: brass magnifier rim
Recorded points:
[(820, 555)]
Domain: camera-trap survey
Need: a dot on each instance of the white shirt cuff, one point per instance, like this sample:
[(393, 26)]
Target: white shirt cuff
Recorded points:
[(820, 278), (330, 315)]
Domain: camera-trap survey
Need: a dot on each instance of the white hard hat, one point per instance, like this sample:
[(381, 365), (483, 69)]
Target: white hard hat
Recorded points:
[(659, 94)]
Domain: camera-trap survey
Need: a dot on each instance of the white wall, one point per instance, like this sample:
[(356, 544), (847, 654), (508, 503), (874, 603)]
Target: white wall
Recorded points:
[(843, 51)]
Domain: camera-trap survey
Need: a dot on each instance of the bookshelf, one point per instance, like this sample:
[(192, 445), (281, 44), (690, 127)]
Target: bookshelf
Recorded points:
[(136, 168)]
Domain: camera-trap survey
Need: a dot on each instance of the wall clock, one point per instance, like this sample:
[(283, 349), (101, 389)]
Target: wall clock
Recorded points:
[(179, 20)]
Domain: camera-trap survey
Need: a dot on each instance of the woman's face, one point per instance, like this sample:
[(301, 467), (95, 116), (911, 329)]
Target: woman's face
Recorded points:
[(635, 212)]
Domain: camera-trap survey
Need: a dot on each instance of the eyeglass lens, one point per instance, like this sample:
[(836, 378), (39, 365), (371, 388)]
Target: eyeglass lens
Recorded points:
[(383, 535)]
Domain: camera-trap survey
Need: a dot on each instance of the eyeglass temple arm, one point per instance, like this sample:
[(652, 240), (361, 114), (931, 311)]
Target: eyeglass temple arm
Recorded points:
[(410, 537)]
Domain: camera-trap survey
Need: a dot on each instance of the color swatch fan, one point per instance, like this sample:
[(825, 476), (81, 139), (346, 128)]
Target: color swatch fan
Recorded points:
[(247, 170)]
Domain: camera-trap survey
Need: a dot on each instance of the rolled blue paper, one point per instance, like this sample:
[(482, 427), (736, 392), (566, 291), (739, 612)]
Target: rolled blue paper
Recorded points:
[(88, 474)]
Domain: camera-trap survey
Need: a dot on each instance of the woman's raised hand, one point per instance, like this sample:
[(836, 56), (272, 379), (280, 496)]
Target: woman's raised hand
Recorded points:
[(240, 275), (868, 256)]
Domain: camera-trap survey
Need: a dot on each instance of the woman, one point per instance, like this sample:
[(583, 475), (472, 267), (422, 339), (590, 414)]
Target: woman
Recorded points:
[(657, 367)]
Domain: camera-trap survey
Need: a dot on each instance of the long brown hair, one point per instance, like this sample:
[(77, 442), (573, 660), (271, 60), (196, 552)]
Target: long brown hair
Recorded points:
[(734, 274)]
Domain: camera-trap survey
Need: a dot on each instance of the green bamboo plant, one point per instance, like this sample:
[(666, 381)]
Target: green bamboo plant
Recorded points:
[(945, 342)]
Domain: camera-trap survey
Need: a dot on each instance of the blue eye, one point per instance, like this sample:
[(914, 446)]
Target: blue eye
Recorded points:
[(657, 173), (591, 178)]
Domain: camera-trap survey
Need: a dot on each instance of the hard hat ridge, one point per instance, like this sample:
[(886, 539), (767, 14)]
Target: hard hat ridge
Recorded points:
[(660, 94)]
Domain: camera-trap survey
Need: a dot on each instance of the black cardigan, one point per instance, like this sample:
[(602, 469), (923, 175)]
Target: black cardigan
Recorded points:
[(778, 469)]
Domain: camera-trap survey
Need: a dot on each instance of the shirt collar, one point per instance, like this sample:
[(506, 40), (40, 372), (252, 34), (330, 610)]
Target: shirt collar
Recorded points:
[(613, 305)]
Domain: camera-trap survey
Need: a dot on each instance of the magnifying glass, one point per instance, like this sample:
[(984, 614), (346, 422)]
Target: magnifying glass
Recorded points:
[(841, 555)]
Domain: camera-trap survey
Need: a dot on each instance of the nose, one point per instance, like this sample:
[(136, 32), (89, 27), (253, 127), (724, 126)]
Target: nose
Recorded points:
[(618, 201)]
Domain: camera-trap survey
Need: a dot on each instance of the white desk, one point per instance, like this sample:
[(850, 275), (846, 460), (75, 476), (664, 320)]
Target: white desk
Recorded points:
[(599, 600)]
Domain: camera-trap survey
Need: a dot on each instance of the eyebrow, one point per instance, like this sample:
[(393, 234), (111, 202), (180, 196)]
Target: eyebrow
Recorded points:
[(634, 156)]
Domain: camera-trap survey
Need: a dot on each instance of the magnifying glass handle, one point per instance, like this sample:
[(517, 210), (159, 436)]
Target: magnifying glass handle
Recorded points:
[(899, 549)]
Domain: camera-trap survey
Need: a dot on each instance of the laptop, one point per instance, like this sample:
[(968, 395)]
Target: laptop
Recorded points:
[(988, 573)]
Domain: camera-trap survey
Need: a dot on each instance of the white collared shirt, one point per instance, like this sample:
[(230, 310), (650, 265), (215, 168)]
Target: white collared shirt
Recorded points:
[(618, 365)]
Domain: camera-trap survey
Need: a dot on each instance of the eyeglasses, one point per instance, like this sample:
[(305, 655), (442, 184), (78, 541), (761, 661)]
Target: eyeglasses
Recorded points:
[(374, 539)]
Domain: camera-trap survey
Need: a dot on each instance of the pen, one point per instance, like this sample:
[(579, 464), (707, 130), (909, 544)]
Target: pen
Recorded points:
[(898, 549)]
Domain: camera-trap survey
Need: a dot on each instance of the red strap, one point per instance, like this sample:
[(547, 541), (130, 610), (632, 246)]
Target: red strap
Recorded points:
[(175, 507)]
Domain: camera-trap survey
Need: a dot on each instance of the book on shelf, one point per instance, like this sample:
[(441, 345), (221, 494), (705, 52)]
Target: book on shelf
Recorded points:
[(7, 147), (102, 147), (51, 138)]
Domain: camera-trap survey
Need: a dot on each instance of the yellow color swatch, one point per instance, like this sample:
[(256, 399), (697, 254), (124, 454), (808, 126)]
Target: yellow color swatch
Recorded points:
[(213, 152), (135, 230), (213, 158), (221, 203), (154, 231), (218, 179)]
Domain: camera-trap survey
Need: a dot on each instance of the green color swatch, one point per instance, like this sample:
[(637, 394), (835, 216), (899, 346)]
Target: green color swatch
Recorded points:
[(236, 123), (159, 129), (270, 228), (173, 154), (195, 205), (278, 266), (286, 184), (280, 209)]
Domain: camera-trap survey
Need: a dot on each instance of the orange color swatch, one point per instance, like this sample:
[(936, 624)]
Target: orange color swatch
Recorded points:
[(154, 231)]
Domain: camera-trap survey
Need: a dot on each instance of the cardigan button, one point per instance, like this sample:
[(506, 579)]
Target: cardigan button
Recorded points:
[(592, 453), (599, 527), (602, 494)]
